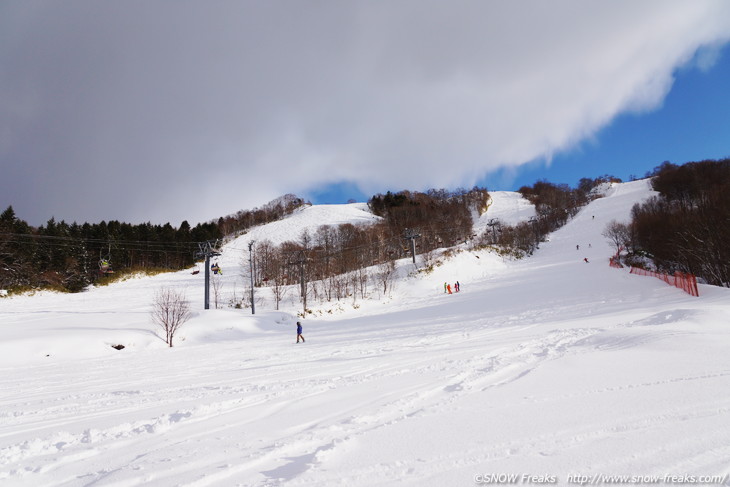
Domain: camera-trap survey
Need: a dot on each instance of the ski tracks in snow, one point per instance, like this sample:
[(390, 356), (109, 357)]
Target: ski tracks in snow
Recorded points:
[(437, 377), (330, 402), (146, 412)]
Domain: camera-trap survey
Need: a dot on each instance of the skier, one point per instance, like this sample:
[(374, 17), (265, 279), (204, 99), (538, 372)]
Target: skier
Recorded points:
[(299, 332), (457, 286), (586, 260), (445, 286), (448, 288)]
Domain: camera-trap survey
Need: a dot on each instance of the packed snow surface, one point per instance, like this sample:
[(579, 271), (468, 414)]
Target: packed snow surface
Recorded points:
[(549, 368)]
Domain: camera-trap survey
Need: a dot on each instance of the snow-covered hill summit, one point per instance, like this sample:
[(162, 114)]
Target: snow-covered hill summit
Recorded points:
[(291, 227)]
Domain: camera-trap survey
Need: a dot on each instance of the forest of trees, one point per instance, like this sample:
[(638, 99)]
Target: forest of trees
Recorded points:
[(69, 257), (336, 257), (687, 226)]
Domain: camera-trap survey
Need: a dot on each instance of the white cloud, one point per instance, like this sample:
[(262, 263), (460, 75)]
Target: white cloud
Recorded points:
[(707, 56), (184, 110)]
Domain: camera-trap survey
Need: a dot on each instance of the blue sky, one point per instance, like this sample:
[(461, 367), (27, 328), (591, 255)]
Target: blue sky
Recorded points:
[(692, 124)]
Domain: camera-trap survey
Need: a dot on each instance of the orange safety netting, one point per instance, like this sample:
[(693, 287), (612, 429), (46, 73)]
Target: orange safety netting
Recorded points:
[(615, 261), (684, 281)]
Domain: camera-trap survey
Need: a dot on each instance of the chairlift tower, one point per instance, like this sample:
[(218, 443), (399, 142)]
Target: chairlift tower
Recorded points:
[(534, 222), (492, 223), (301, 261), (412, 235), (207, 250), (253, 270)]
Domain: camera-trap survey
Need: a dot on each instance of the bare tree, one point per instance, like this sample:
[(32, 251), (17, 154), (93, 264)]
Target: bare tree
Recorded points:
[(278, 282), (170, 310), (354, 281), (217, 285), (386, 274), (429, 258), (362, 277), (617, 233)]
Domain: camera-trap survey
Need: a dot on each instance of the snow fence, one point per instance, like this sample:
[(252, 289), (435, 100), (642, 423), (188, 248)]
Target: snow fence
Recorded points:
[(685, 282)]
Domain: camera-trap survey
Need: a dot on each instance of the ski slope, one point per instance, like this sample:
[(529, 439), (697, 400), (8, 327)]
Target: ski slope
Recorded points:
[(509, 207), (548, 367)]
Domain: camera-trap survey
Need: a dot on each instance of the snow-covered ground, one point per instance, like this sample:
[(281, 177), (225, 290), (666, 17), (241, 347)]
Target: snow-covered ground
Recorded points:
[(548, 366)]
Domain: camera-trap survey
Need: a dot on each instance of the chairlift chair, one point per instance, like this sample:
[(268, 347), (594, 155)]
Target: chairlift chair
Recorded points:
[(105, 266), (105, 262)]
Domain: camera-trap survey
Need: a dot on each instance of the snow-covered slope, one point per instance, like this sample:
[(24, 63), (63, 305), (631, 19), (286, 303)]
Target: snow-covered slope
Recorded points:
[(548, 366), (290, 228), (310, 218), (509, 207)]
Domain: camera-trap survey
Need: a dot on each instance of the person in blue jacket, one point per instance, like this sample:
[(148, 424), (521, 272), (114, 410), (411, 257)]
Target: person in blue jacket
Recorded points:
[(299, 332)]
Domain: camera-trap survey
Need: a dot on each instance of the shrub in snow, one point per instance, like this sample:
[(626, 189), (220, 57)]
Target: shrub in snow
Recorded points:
[(170, 311)]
